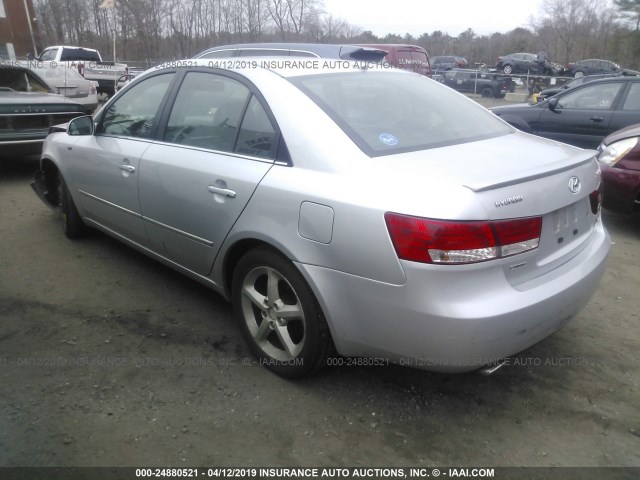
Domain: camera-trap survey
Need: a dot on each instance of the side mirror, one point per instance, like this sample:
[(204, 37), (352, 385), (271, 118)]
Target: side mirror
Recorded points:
[(81, 126), (553, 104), (30, 56)]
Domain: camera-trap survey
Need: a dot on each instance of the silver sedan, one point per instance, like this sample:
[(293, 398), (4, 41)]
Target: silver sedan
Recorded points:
[(340, 206)]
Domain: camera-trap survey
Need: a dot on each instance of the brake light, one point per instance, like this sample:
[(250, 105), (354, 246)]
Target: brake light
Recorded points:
[(595, 198), (447, 242)]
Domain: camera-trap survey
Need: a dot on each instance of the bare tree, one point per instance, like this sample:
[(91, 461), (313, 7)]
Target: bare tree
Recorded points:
[(631, 8)]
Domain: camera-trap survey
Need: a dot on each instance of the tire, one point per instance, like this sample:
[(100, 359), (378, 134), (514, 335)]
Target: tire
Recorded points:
[(72, 224), (487, 92), (578, 74), (508, 69), (265, 284)]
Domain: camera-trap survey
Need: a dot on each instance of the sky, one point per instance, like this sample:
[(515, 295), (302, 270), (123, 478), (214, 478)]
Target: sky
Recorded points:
[(449, 16)]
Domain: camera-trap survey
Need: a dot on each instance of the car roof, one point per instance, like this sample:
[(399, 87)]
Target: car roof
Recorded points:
[(289, 67), (319, 49)]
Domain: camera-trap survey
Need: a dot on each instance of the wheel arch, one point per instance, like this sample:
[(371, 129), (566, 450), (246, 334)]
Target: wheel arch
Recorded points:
[(233, 255), (50, 172), (242, 246)]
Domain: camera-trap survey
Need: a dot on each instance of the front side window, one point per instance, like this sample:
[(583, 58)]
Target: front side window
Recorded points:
[(207, 112), (49, 54), (390, 112), (591, 97), (134, 113)]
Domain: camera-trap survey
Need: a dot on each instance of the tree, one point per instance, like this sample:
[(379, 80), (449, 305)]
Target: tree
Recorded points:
[(631, 8)]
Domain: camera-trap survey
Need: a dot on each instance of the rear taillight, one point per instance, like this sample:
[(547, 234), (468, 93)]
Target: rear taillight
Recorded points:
[(448, 242), (595, 198)]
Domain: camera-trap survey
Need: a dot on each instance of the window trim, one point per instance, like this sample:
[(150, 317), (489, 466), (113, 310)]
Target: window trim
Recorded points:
[(280, 151)]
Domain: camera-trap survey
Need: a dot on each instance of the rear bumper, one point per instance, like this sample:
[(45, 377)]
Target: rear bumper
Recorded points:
[(449, 321)]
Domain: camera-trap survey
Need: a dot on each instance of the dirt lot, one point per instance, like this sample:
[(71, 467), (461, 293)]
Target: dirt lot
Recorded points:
[(109, 359)]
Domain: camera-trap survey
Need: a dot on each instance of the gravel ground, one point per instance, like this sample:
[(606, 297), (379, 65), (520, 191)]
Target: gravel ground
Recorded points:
[(110, 359)]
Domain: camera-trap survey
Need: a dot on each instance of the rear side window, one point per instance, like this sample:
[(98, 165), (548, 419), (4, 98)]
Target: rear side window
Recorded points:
[(420, 59), (256, 136), (633, 98), (392, 112), (404, 59)]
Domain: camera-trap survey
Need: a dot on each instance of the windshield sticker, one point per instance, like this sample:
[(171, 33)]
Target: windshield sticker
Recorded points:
[(388, 139)]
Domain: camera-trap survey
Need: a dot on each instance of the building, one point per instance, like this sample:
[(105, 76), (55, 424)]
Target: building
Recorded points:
[(17, 29)]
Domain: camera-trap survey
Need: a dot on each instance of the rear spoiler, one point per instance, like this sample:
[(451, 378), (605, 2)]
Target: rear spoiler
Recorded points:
[(363, 54)]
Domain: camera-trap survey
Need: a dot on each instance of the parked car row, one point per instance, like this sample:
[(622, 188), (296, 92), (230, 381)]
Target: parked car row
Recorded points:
[(532, 63)]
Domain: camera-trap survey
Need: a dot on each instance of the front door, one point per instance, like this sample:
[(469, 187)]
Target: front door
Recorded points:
[(218, 144)]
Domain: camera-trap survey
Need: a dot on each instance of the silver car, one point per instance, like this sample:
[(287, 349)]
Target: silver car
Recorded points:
[(68, 82), (342, 206)]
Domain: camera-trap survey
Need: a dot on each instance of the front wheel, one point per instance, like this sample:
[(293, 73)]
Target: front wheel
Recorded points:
[(507, 69), (578, 74), (71, 221), (278, 314)]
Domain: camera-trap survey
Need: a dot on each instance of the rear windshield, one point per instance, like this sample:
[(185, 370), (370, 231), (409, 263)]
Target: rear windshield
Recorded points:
[(386, 113), (79, 54)]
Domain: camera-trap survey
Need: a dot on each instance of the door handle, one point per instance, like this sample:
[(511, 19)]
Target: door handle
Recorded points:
[(127, 168), (222, 191), (596, 119)]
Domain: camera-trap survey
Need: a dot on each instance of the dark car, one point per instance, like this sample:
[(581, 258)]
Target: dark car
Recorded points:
[(518, 63), (581, 116), (472, 81), (550, 92), (315, 50), (591, 66), (619, 157), (447, 62), (28, 108)]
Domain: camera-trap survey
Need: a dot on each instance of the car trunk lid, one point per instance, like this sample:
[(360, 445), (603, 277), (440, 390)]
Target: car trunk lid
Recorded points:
[(518, 176)]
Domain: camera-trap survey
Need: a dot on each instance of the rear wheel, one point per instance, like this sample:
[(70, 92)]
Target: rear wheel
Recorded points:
[(508, 69), (278, 314), (71, 222), (487, 92)]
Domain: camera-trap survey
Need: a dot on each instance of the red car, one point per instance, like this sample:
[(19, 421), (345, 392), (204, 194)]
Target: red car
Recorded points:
[(619, 159)]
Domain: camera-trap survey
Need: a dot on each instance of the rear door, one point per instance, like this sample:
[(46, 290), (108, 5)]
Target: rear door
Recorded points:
[(218, 144), (628, 111), (582, 115)]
